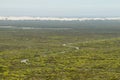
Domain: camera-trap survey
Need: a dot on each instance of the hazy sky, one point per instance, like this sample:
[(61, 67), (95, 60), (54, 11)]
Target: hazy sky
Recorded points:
[(62, 8)]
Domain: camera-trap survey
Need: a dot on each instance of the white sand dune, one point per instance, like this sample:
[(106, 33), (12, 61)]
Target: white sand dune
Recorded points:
[(55, 18)]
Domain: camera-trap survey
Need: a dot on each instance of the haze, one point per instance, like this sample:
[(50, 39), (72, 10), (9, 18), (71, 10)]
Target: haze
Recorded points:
[(60, 8)]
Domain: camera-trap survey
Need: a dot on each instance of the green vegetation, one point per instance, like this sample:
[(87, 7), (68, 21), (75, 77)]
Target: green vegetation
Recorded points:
[(51, 54)]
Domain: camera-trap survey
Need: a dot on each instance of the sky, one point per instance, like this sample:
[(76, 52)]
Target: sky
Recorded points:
[(60, 8)]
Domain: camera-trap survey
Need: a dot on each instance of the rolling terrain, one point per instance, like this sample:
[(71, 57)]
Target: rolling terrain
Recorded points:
[(60, 50)]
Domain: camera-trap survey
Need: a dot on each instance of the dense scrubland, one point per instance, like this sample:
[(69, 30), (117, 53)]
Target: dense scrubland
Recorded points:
[(58, 50)]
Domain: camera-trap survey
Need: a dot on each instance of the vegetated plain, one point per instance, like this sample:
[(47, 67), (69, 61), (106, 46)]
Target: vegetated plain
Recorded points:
[(59, 50)]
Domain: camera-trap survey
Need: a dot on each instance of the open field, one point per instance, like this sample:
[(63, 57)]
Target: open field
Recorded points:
[(59, 50)]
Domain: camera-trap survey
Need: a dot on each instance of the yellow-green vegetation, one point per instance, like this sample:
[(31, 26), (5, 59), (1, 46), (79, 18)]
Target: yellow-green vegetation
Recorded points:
[(52, 55)]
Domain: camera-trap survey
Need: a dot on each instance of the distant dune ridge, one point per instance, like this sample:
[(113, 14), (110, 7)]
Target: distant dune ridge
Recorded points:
[(55, 18)]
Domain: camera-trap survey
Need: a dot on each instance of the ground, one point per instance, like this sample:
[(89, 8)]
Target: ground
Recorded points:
[(59, 54)]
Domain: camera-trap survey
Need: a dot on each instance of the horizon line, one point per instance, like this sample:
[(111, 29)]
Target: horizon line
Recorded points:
[(57, 18)]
